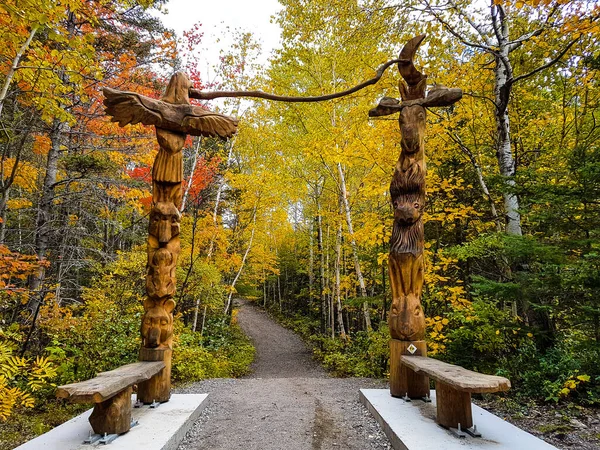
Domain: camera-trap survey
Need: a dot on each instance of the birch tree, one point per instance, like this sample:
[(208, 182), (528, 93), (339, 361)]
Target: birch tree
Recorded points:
[(491, 30)]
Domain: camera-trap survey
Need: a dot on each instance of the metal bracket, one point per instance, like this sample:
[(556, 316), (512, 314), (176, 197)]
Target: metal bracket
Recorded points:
[(457, 432), (406, 398), (108, 438), (138, 403), (473, 431), (426, 399), (154, 404), (92, 438)]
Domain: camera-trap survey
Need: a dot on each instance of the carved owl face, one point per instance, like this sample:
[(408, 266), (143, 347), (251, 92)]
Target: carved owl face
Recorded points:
[(164, 222)]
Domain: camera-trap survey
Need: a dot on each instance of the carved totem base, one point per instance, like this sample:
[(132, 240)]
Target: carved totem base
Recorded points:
[(113, 416), (404, 381), (157, 388)]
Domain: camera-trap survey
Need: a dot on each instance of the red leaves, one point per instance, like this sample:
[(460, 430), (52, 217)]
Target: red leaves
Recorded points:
[(142, 173), (204, 174)]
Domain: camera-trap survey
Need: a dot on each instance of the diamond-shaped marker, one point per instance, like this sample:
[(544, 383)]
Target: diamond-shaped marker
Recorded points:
[(412, 349)]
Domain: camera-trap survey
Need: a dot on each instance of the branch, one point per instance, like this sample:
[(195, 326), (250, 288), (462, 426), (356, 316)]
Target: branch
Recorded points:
[(513, 45), (549, 64), (482, 97), (494, 14), (472, 23), (15, 65), (456, 34), (210, 95)]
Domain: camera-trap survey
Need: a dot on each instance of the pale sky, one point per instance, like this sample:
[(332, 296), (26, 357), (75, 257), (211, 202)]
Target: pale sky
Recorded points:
[(215, 16)]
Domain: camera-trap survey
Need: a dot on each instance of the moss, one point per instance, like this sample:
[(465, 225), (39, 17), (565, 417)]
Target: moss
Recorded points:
[(554, 428)]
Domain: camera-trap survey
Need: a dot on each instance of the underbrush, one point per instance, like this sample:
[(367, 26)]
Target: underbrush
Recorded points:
[(487, 341), (89, 342), (222, 351)]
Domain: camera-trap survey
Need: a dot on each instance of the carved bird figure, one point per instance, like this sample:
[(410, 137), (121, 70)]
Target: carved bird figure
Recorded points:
[(172, 112)]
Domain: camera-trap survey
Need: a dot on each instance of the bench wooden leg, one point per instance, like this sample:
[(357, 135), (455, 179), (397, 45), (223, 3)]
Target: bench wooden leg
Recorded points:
[(113, 416), (453, 406), (157, 388), (403, 380)]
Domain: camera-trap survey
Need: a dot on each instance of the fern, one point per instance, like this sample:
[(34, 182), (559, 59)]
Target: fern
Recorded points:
[(20, 378)]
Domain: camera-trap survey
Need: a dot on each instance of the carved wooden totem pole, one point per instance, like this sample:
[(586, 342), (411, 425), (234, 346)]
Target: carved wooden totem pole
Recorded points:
[(407, 191), (174, 118)]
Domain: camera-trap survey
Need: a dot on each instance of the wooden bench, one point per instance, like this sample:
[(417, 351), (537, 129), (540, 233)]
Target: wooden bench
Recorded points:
[(453, 388), (111, 392)]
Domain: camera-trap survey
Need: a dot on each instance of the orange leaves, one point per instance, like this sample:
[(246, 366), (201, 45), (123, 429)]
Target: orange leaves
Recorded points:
[(41, 144), (14, 270)]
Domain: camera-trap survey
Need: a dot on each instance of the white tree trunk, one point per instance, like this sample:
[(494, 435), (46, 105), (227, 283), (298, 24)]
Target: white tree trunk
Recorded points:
[(338, 257), (359, 275), (14, 66), (240, 270), (506, 162), (186, 192)]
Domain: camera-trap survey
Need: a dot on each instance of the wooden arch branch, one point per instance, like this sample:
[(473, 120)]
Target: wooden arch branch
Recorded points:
[(210, 95)]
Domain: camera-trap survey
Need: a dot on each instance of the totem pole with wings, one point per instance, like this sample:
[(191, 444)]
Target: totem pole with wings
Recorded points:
[(174, 118)]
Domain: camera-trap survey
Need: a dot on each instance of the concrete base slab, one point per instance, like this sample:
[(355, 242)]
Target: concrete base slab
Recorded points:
[(161, 428), (412, 426)]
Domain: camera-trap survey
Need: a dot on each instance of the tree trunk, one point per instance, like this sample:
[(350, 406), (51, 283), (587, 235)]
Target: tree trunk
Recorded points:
[(338, 257), (43, 225), (14, 66), (186, 192), (506, 162), (359, 275), (311, 264), (321, 270), (239, 272)]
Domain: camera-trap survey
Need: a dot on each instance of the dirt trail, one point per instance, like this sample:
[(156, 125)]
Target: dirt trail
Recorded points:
[(288, 403)]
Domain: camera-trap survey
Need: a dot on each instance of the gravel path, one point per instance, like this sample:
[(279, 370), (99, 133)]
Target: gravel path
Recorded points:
[(288, 403)]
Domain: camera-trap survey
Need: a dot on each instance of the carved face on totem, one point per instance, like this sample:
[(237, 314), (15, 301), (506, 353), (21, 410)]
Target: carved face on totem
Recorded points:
[(160, 281), (412, 127), (406, 319), (164, 222), (157, 324), (408, 209)]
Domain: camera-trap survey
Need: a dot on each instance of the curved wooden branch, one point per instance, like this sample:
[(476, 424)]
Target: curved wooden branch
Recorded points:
[(210, 95)]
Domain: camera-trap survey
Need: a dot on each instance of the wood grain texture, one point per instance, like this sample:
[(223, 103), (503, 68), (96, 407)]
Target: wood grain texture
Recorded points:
[(130, 108), (113, 416), (157, 388), (457, 377), (437, 96), (453, 407), (404, 380), (108, 384), (406, 319)]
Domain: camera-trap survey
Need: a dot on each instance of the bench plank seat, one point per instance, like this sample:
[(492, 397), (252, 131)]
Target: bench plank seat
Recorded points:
[(107, 384), (457, 377)]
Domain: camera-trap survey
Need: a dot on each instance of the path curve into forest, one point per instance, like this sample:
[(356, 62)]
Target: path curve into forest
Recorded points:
[(287, 403)]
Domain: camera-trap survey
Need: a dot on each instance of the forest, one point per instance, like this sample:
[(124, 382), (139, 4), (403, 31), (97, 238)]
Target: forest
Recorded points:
[(294, 212)]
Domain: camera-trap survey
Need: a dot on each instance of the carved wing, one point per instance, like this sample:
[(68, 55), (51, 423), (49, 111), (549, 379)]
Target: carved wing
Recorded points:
[(201, 122), (130, 108)]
